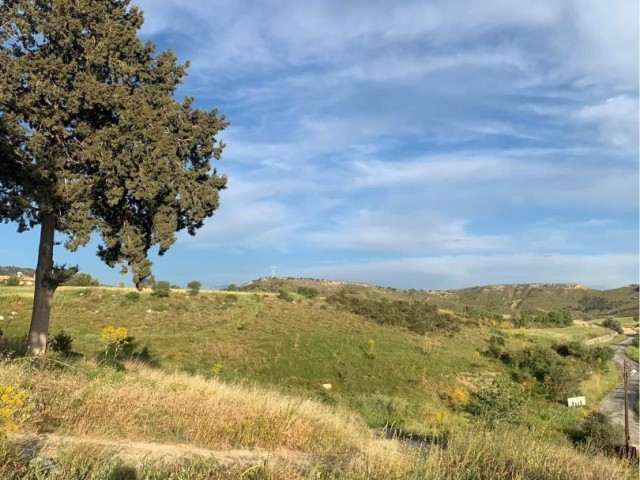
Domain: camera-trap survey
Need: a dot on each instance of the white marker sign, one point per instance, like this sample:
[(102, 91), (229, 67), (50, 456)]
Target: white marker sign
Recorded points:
[(576, 401)]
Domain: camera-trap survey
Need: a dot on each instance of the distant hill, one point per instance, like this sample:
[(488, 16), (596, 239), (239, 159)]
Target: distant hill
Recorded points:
[(504, 299), (13, 271)]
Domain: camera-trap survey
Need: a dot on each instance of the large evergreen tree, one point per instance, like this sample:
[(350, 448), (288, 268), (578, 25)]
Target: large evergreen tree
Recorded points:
[(93, 141)]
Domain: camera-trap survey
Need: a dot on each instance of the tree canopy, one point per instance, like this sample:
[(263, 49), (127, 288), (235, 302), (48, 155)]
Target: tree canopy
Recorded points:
[(92, 139)]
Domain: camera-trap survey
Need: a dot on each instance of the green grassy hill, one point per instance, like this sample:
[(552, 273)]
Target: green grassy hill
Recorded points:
[(387, 373), (504, 299), (308, 349)]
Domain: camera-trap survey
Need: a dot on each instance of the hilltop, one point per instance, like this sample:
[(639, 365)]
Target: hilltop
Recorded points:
[(502, 299)]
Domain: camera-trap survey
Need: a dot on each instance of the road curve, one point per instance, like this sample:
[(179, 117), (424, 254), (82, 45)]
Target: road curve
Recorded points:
[(614, 402)]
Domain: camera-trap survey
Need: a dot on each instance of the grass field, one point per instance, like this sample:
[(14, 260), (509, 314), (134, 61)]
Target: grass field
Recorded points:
[(237, 367), (387, 374)]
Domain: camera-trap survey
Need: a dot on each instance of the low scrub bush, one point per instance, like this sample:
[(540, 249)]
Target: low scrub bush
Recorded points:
[(613, 324), (600, 433), (284, 295), (308, 292), (419, 317), (161, 289), (61, 343), (502, 401), (193, 288)]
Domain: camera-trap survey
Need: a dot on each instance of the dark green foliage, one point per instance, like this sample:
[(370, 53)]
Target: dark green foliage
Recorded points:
[(232, 287), (92, 136), (419, 317), (554, 318), (556, 377), (478, 314), (613, 324), (599, 431), (588, 354), (82, 280), (284, 295), (307, 292), (161, 289), (636, 341), (590, 303), (12, 282), (132, 296), (193, 288), (61, 343), (500, 402), (496, 346)]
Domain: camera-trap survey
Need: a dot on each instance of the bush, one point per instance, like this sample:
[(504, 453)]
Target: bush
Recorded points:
[(496, 347), (557, 376), (308, 292), (284, 295), (82, 280), (132, 296), (500, 402), (613, 324), (636, 341), (61, 343), (232, 287), (600, 433), (161, 289), (193, 288), (12, 282), (419, 317)]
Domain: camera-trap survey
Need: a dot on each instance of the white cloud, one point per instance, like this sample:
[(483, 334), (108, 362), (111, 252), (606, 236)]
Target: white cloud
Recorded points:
[(616, 119), (414, 231), (444, 272)]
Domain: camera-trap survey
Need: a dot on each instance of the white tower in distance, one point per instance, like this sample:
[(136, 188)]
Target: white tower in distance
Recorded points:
[(273, 271)]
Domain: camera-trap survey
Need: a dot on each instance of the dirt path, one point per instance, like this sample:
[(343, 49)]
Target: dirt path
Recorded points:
[(614, 402), (49, 445)]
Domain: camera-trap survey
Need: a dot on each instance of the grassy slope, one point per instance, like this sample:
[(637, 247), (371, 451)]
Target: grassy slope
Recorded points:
[(146, 405), (388, 374), (503, 299)]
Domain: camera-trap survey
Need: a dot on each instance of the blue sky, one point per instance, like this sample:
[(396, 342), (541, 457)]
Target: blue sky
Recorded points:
[(414, 144)]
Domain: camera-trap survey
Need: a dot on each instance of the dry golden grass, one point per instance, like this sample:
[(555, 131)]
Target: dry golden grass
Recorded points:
[(149, 405)]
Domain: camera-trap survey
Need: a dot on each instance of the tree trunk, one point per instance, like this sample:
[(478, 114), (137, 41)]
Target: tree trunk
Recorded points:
[(44, 289)]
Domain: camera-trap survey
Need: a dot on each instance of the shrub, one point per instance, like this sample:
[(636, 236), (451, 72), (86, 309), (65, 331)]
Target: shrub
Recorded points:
[(500, 402), (636, 341), (419, 317), (132, 296), (496, 346), (308, 292), (193, 288), (599, 431), (82, 280), (12, 282), (557, 376), (613, 324), (284, 295), (161, 289), (232, 287), (61, 343)]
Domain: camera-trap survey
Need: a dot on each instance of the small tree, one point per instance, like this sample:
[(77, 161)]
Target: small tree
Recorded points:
[(13, 281), (82, 280), (601, 433), (161, 289), (193, 288), (232, 287), (307, 292), (613, 324), (92, 140)]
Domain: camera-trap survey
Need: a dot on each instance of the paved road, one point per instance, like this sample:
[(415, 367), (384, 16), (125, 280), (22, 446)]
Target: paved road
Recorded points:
[(614, 403)]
